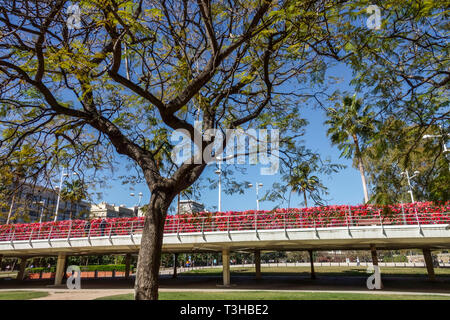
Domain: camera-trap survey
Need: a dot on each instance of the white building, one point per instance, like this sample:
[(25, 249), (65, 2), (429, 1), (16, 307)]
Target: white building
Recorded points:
[(106, 210), (190, 206)]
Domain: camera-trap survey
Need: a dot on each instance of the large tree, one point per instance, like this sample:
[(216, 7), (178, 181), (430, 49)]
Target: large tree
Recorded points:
[(122, 75), (350, 126)]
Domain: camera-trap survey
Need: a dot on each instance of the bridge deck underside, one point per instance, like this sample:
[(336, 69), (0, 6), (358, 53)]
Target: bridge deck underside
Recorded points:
[(356, 238)]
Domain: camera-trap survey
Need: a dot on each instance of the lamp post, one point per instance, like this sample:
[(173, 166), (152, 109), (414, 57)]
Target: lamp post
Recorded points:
[(42, 210), (219, 173), (408, 178), (140, 194), (59, 191), (431, 136), (258, 185)]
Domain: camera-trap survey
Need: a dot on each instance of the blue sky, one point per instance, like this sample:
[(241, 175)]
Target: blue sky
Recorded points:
[(344, 187)]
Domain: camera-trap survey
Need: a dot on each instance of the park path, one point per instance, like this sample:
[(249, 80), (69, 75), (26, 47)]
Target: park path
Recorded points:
[(81, 294), (91, 294)]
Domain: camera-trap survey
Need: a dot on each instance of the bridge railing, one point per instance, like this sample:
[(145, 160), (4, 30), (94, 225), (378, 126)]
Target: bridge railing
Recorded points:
[(181, 224)]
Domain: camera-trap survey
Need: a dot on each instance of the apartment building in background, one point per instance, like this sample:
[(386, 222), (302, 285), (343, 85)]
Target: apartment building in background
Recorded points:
[(37, 203)]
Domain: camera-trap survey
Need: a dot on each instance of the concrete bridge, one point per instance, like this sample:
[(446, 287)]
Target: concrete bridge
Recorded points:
[(254, 236)]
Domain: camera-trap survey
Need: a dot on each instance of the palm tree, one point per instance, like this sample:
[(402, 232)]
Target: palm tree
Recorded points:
[(350, 126), (302, 181), (74, 192)]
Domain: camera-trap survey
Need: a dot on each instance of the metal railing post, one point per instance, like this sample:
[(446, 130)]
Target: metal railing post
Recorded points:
[(31, 236), (89, 234), (285, 225), (70, 229), (131, 231), (350, 215), (203, 228), (403, 214), (315, 227), (12, 238), (50, 235), (110, 231), (381, 221), (178, 228), (346, 218), (418, 220)]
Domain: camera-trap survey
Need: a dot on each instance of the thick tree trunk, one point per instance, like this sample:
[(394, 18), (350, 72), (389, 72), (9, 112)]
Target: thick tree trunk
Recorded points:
[(146, 286), (361, 168)]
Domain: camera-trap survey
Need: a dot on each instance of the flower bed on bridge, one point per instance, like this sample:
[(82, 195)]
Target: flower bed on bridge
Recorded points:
[(314, 217)]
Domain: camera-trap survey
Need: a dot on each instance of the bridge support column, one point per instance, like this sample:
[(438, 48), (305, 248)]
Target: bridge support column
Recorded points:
[(127, 265), (22, 266), (258, 264), (429, 263), (60, 269), (373, 252), (311, 259), (175, 265), (226, 266), (1, 258)]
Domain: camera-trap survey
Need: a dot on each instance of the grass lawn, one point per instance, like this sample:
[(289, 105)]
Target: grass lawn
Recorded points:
[(325, 271), (21, 295), (261, 295)]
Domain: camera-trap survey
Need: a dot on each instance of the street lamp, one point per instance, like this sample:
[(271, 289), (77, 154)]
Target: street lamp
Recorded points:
[(59, 191), (258, 185), (140, 194), (42, 203), (405, 173), (431, 136), (219, 173)]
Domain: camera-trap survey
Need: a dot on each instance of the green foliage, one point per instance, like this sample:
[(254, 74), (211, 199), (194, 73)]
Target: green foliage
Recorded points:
[(399, 147), (350, 126)]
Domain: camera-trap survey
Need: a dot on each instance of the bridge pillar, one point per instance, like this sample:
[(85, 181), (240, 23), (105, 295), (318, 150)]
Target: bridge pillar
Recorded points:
[(60, 269), (429, 263), (22, 266), (258, 264), (226, 266), (373, 252), (175, 265), (1, 258), (127, 265), (311, 259)]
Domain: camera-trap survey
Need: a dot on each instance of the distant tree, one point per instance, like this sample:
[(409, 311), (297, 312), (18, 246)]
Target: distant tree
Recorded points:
[(301, 175), (74, 191), (304, 182)]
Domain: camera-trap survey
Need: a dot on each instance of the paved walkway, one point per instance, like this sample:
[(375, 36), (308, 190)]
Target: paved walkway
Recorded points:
[(91, 294), (96, 288)]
